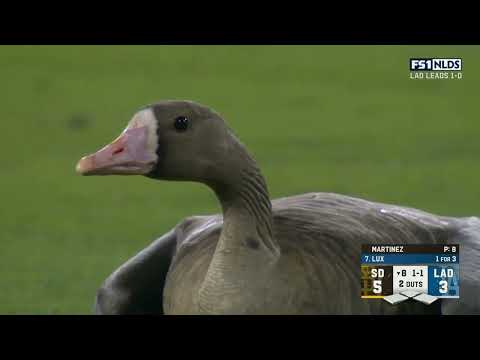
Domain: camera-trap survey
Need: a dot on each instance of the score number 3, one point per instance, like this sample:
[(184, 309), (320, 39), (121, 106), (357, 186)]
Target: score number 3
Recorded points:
[(443, 286)]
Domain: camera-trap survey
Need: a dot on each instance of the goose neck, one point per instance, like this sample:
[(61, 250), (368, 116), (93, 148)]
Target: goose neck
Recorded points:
[(247, 212)]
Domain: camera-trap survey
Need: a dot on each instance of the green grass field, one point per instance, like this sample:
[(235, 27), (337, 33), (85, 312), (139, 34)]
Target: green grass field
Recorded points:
[(343, 119)]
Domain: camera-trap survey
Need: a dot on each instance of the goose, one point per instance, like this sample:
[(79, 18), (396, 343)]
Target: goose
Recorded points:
[(293, 255)]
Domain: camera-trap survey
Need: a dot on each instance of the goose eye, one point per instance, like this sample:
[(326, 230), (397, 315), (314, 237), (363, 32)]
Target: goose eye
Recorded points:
[(181, 123)]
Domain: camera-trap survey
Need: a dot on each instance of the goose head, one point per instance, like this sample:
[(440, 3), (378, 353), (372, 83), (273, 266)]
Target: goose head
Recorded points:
[(170, 140)]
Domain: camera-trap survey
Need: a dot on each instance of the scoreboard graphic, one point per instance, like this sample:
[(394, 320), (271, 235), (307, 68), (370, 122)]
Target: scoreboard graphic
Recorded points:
[(397, 273)]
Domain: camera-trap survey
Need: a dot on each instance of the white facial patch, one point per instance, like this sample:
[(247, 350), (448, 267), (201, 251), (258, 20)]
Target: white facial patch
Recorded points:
[(146, 118)]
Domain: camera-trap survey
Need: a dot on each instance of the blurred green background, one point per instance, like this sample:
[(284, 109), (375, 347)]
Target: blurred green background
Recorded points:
[(343, 119)]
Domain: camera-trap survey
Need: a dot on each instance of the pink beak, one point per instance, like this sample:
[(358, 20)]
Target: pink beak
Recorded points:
[(126, 155)]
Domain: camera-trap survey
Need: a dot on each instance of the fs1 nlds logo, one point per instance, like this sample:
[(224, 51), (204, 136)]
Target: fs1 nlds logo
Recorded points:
[(429, 68), (435, 64)]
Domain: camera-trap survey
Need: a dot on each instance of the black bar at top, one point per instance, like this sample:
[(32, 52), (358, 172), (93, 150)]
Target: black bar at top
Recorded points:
[(410, 249), (235, 37)]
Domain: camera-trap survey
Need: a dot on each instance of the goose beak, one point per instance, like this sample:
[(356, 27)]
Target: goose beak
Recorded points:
[(126, 155)]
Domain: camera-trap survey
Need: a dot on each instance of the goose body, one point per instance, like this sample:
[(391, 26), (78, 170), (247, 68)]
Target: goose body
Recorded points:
[(319, 261), (295, 255)]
